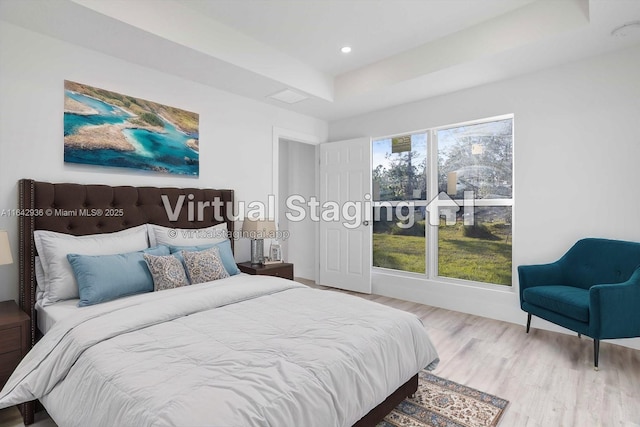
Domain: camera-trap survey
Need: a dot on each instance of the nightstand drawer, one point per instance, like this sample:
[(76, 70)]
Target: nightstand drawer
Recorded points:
[(283, 269), (8, 362), (285, 273), (10, 339), (15, 342)]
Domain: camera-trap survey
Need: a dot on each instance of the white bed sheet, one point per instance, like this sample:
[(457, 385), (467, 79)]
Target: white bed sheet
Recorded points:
[(52, 313), (49, 315), (247, 350)]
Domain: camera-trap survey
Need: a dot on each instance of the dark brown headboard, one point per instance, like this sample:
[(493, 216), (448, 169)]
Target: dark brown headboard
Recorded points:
[(138, 205)]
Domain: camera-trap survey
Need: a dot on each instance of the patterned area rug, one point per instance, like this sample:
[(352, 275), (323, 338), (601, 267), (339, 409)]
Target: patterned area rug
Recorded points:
[(443, 403)]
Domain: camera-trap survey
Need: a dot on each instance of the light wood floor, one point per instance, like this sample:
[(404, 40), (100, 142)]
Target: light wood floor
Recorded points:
[(547, 377)]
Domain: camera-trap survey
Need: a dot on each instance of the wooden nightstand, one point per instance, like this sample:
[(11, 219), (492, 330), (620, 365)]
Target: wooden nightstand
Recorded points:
[(283, 269), (15, 342), (15, 337)]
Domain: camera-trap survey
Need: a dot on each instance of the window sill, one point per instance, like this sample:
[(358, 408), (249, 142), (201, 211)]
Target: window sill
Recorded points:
[(441, 280)]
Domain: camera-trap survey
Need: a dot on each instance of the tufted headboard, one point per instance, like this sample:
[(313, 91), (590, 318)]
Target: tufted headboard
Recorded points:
[(80, 209)]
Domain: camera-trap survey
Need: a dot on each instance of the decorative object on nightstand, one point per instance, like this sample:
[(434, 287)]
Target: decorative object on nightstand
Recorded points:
[(5, 249), (280, 269), (257, 231), (275, 252)]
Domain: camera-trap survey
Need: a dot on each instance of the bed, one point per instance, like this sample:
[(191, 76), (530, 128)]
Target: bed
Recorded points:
[(242, 350)]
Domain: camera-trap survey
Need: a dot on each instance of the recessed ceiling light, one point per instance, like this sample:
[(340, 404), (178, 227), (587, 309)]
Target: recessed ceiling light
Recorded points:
[(627, 29), (345, 49)]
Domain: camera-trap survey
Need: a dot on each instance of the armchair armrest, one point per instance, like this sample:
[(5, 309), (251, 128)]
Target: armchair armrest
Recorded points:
[(614, 309), (539, 275)]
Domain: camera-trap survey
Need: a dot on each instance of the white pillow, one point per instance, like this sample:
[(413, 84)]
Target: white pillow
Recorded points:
[(40, 280), (60, 282), (159, 235)]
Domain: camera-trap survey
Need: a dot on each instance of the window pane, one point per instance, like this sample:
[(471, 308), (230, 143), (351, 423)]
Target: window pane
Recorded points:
[(476, 158), (399, 238), (480, 252), (399, 168)]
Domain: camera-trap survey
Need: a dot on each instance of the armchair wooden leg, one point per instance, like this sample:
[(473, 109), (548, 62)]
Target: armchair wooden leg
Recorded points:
[(528, 321), (596, 351)]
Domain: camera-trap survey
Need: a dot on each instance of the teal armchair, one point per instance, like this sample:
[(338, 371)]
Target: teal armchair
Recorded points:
[(594, 290)]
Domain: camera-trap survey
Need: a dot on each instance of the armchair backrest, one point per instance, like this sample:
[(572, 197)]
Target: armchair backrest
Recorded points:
[(596, 261)]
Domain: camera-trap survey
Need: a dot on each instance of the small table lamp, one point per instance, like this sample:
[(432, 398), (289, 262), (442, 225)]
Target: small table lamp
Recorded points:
[(257, 230), (5, 249)]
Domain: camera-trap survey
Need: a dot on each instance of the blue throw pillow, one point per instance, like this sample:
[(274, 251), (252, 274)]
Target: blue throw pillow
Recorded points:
[(226, 254), (103, 278)]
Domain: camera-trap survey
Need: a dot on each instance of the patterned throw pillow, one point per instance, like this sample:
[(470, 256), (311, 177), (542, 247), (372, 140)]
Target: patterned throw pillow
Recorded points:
[(204, 266), (167, 272)]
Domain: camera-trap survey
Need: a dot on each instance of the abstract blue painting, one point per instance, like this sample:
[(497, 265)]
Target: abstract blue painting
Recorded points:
[(109, 129)]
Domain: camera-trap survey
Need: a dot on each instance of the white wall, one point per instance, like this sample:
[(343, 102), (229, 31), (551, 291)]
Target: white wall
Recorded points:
[(577, 148), (235, 132)]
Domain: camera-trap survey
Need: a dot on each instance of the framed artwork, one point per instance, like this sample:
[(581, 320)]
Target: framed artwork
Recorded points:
[(106, 128)]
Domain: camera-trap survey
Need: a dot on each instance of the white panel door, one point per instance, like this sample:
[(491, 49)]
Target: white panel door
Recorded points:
[(345, 238)]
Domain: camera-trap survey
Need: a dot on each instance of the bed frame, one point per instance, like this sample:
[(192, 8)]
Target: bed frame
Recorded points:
[(53, 207)]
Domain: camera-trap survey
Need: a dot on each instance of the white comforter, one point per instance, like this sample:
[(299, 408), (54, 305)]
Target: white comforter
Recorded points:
[(244, 351)]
